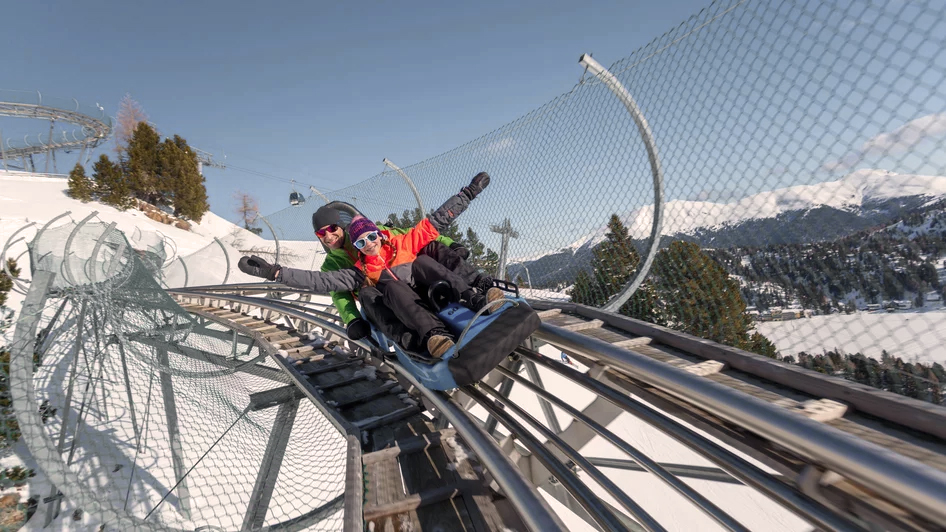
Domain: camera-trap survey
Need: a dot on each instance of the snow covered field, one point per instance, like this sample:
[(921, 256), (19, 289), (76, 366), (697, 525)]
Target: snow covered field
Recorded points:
[(913, 335)]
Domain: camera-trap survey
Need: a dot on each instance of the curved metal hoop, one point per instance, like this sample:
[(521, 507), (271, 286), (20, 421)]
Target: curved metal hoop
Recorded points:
[(66, 268), (618, 89), (410, 183), (18, 284), (273, 231), (226, 257)]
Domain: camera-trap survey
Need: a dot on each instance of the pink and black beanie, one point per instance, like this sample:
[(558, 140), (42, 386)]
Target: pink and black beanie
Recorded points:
[(359, 226)]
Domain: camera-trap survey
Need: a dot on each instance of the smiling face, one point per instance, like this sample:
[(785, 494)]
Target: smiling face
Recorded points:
[(332, 239), (372, 248)]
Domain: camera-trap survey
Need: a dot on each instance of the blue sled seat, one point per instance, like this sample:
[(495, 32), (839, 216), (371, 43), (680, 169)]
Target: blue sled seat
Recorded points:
[(487, 342)]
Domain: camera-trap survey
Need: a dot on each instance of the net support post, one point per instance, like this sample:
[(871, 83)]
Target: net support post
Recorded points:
[(269, 468), (547, 410), (52, 510), (505, 388), (174, 434)]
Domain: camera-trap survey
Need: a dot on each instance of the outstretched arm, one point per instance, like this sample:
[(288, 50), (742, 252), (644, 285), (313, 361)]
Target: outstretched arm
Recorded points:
[(319, 282), (455, 206), (349, 279)]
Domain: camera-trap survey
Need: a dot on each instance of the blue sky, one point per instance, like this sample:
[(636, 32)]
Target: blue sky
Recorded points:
[(319, 92)]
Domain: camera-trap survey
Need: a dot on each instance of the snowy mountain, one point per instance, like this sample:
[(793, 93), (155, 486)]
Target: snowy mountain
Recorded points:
[(798, 214)]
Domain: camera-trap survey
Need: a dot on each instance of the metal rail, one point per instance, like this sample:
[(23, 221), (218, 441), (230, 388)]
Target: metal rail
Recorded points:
[(751, 475), (905, 482), (532, 508), (814, 443), (645, 462), (602, 515), (93, 130)]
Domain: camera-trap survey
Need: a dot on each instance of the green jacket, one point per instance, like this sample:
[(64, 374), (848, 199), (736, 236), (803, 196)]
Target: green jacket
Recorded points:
[(344, 257)]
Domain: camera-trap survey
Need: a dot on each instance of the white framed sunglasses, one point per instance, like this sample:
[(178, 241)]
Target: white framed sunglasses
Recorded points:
[(367, 237)]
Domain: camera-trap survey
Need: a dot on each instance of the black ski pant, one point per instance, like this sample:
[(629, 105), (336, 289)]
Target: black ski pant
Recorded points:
[(427, 269), (396, 308), (452, 261), (387, 319)]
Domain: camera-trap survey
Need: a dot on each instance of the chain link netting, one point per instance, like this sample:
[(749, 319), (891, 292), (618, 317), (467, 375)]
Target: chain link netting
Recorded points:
[(141, 415), (802, 153)]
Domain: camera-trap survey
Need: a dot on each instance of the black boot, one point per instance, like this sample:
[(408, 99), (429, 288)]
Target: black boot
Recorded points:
[(482, 283), (476, 301)]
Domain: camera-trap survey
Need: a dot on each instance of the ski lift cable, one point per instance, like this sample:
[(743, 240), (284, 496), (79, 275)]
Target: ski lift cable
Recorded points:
[(265, 175)]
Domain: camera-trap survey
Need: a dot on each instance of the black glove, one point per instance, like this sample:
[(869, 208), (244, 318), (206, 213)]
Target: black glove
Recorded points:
[(358, 329), (258, 267), (460, 250), (480, 181)]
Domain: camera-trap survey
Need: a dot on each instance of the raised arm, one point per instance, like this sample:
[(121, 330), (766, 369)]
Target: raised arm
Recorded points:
[(455, 206)]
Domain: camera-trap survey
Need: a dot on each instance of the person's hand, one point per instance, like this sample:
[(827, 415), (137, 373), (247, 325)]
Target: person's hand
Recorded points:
[(358, 329), (258, 267), (476, 186), (461, 250)]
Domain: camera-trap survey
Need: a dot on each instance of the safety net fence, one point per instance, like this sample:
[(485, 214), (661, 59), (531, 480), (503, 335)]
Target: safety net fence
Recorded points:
[(140, 415)]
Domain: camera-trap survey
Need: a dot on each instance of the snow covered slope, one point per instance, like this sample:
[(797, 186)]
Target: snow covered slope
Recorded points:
[(26, 198)]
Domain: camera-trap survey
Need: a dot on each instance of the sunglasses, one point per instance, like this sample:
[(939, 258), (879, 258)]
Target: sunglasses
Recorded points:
[(363, 241), (327, 229)]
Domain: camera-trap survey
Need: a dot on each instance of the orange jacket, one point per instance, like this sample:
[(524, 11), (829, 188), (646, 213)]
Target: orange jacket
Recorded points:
[(397, 250)]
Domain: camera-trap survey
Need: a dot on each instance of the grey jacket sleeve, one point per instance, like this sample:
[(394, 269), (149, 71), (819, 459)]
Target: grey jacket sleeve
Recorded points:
[(449, 211), (348, 279)]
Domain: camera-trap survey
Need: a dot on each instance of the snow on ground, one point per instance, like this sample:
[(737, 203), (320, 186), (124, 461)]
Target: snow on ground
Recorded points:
[(31, 198), (913, 335)]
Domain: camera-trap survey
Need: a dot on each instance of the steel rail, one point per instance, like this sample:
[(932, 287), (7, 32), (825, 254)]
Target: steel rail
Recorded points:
[(906, 482), (797, 502), (544, 455), (749, 474), (289, 304), (646, 463), (532, 508)]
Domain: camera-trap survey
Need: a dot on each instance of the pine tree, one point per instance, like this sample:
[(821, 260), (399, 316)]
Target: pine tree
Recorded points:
[(142, 165), (613, 263), (110, 184), (80, 186), (583, 291), (182, 180), (615, 260), (6, 283), (474, 245), (488, 263)]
